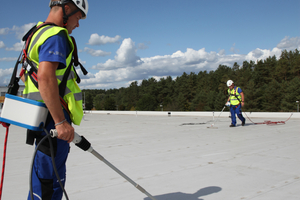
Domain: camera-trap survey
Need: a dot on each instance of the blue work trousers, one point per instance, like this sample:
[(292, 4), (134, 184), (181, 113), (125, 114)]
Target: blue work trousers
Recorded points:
[(236, 110), (44, 182)]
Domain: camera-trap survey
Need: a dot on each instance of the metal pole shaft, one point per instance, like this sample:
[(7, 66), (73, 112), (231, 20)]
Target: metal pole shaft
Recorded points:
[(100, 157), (221, 111)]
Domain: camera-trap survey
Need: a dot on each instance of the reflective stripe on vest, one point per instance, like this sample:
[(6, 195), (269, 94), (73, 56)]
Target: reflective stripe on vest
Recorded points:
[(72, 95), (233, 94)]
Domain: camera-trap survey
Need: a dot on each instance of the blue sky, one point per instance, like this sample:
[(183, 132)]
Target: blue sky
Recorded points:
[(123, 41)]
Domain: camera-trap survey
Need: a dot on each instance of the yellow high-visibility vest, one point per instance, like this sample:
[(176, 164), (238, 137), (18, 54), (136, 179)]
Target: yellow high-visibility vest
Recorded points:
[(234, 94), (72, 95)]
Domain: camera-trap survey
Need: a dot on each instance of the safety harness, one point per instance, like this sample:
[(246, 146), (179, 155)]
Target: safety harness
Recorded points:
[(235, 91), (31, 68)]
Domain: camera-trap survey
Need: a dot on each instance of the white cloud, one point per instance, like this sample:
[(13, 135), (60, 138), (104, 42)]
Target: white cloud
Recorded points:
[(4, 31), (222, 52), (8, 59), (5, 72), (233, 49), (128, 67), (126, 54), (95, 39), (82, 62), (126, 57), (142, 46), (5, 75), (2, 45), (16, 47), (21, 31), (289, 43), (96, 53), (261, 54), (82, 76)]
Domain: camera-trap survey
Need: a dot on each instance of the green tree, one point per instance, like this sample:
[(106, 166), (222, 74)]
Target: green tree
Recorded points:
[(89, 105), (98, 101), (272, 97), (182, 91), (284, 69), (182, 103), (296, 64), (146, 103), (291, 95), (131, 95), (251, 101), (166, 91), (109, 103)]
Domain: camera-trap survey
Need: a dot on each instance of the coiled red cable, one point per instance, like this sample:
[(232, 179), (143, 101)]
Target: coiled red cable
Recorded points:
[(270, 122)]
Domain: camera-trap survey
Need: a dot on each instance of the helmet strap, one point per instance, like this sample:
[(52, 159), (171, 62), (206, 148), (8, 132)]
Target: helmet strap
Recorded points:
[(65, 17)]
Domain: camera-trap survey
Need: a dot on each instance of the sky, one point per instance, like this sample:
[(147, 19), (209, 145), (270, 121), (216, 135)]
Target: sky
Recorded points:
[(122, 41)]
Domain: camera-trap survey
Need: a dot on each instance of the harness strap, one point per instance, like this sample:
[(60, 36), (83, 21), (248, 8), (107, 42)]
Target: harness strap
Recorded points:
[(13, 86), (32, 69), (235, 91), (237, 96), (76, 61)]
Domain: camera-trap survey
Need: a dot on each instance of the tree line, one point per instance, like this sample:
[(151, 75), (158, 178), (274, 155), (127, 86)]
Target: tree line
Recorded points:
[(270, 85)]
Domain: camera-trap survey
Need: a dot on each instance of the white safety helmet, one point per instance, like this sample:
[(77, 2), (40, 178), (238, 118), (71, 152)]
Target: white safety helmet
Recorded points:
[(229, 83), (82, 5)]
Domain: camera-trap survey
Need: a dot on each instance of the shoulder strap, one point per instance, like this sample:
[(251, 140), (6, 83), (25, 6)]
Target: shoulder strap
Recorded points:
[(32, 70), (27, 37), (236, 95), (63, 83), (28, 64), (13, 85), (76, 62)]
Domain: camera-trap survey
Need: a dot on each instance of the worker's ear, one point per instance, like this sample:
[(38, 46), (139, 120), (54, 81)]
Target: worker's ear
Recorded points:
[(67, 9)]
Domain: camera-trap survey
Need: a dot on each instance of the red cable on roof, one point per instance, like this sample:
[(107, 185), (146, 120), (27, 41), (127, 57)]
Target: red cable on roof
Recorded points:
[(4, 156)]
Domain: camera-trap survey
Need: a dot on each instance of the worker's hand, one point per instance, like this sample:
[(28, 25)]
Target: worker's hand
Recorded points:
[(227, 103), (243, 104), (65, 132)]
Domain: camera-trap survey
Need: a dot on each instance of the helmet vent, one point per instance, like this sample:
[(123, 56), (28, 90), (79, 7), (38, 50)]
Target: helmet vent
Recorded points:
[(83, 3)]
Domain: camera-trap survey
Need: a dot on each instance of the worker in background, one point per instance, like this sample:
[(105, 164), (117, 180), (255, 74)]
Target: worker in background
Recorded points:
[(51, 50), (236, 102)]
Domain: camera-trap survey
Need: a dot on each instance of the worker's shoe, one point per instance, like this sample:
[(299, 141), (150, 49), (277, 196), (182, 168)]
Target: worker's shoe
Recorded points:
[(243, 123), (231, 125)]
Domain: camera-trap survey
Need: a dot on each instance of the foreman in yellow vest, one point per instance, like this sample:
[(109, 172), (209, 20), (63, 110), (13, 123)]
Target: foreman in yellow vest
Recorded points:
[(236, 101)]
